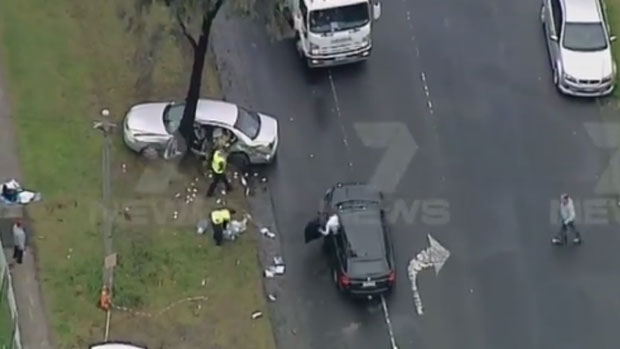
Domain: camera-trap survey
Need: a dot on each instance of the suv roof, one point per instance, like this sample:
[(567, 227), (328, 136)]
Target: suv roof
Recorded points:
[(354, 192), (363, 229), (585, 11)]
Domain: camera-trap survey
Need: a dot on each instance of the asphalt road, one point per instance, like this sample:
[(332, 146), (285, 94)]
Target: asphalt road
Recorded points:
[(471, 82)]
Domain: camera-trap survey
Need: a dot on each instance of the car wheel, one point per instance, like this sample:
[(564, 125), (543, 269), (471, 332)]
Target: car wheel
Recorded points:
[(542, 15), (239, 160), (335, 279), (150, 153), (300, 52), (556, 78)]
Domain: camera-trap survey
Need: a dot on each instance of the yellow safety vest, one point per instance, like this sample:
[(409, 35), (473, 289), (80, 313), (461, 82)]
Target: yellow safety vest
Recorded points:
[(218, 164), (220, 216)]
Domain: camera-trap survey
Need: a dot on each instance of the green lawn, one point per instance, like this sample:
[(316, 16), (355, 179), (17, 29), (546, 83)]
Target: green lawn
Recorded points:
[(613, 13), (65, 60)]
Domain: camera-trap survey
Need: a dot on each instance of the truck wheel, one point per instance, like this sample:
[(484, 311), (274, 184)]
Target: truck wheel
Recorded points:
[(300, 51)]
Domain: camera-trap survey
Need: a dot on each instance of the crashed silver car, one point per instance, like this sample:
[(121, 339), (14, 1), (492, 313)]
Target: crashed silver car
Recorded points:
[(251, 137)]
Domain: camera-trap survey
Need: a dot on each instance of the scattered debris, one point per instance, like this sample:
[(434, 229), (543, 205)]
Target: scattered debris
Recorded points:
[(277, 260), (255, 174), (256, 315), (246, 174), (269, 273), (177, 195), (202, 226), (218, 201), (235, 229), (204, 282), (266, 232), (126, 213), (237, 262), (264, 180), (124, 168), (311, 156), (271, 297)]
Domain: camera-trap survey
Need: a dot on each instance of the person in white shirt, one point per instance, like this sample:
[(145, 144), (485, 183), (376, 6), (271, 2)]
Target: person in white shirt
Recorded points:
[(19, 241), (332, 226), (567, 213)]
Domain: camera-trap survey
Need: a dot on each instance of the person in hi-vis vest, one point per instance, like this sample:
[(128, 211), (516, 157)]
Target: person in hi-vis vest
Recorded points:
[(219, 220), (218, 166)]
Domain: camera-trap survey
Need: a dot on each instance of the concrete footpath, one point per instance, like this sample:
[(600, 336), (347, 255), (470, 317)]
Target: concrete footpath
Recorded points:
[(33, 324)]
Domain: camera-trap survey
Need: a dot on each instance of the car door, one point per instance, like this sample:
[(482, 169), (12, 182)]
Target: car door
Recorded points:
[(553, 30)]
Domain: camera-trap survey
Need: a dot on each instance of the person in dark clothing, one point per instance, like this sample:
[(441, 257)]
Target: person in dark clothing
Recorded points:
[(218, 166)]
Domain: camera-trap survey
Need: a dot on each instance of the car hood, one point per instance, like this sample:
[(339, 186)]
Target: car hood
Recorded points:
[(147, 118), (587, 65), (268, 130)]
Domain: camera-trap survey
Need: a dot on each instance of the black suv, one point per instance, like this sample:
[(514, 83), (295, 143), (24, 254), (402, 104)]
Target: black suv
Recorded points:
[(361, 254)]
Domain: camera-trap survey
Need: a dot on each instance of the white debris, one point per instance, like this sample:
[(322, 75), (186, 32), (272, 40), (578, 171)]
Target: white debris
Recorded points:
[(264, 179), (177, 195), (266, 232), (269, 273), (202, 226), (256, 315), (277, 260), (279, 270), (204, 282), (311, 156), (223, 192), (271, 297), (255, 174)]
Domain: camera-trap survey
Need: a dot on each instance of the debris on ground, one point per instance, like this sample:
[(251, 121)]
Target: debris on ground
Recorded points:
[(202, 226), (277, 268), (269, 274), (235, 229), (256, 315), (266, 232), (271, 297)]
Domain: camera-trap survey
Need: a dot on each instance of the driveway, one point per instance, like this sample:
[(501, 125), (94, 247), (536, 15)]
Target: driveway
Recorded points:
[(471, 82)]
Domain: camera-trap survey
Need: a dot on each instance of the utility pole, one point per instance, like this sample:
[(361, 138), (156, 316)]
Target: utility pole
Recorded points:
[(107, 127)]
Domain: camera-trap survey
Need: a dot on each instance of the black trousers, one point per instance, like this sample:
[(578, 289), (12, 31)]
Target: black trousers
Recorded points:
[(18, 254), (218, 178), (563, 231), (218, 233)]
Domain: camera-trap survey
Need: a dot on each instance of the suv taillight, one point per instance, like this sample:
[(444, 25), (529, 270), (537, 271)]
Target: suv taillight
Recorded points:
[(392, 277), (345, 280)]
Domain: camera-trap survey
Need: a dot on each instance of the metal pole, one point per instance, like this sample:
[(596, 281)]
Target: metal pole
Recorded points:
[(108, 272)]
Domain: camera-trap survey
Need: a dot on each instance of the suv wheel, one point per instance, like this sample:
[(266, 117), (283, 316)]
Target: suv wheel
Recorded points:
[(335, 279)]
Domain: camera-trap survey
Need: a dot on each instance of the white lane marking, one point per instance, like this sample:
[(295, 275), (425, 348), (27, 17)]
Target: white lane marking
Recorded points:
[(433, 256), (389, 323), (339, 114), (427, 93)]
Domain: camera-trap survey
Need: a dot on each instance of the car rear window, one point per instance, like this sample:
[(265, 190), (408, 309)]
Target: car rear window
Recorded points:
[(367, 267)]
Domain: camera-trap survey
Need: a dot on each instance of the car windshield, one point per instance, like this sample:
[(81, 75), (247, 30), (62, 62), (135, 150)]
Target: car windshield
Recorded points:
[(339, 18), (173, 114), (584, 37), (248, 122)]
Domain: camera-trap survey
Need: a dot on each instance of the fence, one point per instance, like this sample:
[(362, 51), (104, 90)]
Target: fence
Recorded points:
[(9, 328)]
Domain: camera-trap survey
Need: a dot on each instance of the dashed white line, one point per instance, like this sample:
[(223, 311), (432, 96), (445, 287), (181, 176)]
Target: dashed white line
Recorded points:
[(339, 114), (389, 323), (429, 103)]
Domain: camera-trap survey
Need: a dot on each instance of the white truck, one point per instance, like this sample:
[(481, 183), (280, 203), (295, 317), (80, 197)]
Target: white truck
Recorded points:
[(333, 32)]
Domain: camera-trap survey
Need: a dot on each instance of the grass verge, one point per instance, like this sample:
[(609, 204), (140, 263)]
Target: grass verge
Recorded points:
[(65, 60)]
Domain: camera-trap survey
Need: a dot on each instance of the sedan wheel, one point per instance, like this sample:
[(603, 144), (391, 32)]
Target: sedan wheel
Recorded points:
[(556, 78), (150, 153)]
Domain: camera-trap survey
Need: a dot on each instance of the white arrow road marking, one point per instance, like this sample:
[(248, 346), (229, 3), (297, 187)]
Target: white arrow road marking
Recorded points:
[(433, 256), (389, 323)]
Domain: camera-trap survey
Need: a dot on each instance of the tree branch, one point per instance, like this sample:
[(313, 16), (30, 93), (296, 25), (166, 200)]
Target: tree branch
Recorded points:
[(189, 36)]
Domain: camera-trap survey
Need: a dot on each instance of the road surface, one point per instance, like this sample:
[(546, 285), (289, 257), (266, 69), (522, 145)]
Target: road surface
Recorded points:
[(471, 82)]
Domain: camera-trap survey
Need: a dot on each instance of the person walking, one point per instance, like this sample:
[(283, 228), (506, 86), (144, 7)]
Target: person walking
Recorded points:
[(19, 241), (567, 213), (218, 166), (219, 220)]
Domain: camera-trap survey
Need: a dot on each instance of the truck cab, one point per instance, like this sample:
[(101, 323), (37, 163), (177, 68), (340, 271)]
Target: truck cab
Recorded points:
[(333, 32)]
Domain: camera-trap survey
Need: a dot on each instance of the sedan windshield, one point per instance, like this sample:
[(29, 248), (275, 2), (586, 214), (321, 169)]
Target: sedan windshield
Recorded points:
[(248, 122), (584, 37), (172, 117), (339, 18)]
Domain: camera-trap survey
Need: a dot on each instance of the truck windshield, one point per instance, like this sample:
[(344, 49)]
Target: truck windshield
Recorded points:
[(339, 18)]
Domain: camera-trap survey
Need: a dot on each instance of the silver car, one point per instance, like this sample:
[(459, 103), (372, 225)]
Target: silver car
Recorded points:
[(149, 129), (579, 44)]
